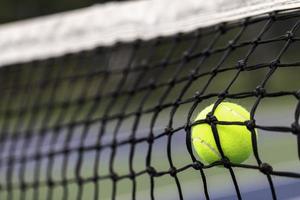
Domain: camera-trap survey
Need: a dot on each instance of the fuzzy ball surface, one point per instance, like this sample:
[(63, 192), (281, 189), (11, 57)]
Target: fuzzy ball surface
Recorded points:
[(235, 139)]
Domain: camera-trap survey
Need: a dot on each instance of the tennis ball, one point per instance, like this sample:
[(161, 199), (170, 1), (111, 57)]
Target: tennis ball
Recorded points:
[(235, 139)]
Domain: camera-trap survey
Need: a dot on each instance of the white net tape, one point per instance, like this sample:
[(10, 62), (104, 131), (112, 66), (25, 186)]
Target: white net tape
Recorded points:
[(106, 24)]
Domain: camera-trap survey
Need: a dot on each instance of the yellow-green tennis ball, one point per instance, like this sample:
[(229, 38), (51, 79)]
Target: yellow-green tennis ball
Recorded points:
[(235, 139)]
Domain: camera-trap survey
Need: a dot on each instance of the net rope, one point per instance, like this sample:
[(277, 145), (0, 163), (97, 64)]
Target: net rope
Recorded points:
[(65, 119)]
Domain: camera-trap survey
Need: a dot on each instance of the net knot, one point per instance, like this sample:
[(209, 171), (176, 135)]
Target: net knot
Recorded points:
[(206, 53), (197, 165), (23, 159), (94, 179), (256, 41), (197, 96), (158, 41), (158, 108), (241, 65), (79, 180), (186, 56), (114, 144), (118, 44), (38, 156), (193, 74), (226, 162), (221, 28), (131, 92), (289, 35), (273, 15), (80, 149), (177, 102), (265, 168), (10, 161), (98, 147), (56, 129), (164, 63), (80, 101), (150, 138), (137, 43), (132, 175), (152, 84), (211, 119), (260, 91), (114, 94), (250, 124), (231, 44), (173, 171), (51, 154), (97, 98), (36, 184), (114, 176), (50, 183), (274, 64), (168, 130), (131, 139), (222, 95), (197, 33), (138, 113), (171, 82), (23, 186), (187, 126), (178, 37), (214, 72), (151, 171), (295, 128), (245, 21)]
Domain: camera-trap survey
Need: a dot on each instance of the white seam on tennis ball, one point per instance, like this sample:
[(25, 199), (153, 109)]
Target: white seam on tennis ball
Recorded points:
[(234, 112), (208, 145)]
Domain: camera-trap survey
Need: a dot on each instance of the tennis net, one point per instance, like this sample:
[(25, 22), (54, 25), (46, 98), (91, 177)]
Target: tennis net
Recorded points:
[(93, 108)]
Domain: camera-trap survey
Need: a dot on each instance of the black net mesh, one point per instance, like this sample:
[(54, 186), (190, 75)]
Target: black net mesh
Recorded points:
[(114, 122)]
